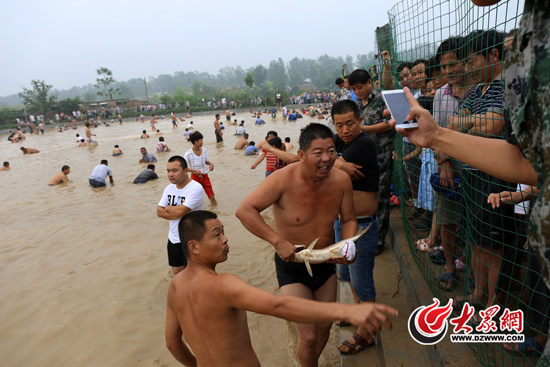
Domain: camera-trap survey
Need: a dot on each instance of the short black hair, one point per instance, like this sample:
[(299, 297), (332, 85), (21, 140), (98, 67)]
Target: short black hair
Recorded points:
[(403, 65), (245, 135), (217, 115), (151, 166), (287, 140), (178, 158), (104, 161), (344, 106), (143, 132), (420, 61), (192, 226), (116, 146), (65, 167), (274, 133), (196, 136), (276, 142), (451, 44), (359, 76), (161, 138), (339, 81), (314, 131), (432, 66), (6, 163), (252, 142), (482, 42)]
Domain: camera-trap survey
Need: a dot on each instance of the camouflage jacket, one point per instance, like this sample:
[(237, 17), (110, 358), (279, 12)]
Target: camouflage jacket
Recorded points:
[(527, 114), (373, 113)]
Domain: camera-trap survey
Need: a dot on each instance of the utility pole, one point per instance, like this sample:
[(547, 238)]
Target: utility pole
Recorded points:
[(146, 94)]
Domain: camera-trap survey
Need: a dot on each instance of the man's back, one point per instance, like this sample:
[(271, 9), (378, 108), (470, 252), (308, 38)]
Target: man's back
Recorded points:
[(101, 172), (218, 334)]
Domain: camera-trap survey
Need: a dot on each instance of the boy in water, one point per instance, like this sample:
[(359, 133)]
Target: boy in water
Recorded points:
[(199, 165)]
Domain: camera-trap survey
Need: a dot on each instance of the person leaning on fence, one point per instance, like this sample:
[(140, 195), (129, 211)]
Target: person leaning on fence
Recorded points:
[(371, 108), (525, 149), (483, 114), (447, 102)]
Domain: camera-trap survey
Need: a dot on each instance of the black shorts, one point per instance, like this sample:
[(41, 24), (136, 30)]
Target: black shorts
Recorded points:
[(176, 257), (95, 183), (219, 138), (489, 228), (291, 273), (228, 118)]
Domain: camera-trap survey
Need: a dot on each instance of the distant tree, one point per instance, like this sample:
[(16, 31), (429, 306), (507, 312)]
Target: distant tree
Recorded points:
[(103, 81), (260, 74), (165, 99), (70, 104), (88, 97), (249, 79), (276, 73), (362, 60), (39, 98)]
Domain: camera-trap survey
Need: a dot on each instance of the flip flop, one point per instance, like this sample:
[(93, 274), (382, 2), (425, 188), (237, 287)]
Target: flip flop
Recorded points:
[(521, 348), (450, 281), (437, 256), (358, 345)]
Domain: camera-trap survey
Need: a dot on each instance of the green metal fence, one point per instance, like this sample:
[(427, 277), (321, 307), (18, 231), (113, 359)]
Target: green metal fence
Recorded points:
[(485, 247)]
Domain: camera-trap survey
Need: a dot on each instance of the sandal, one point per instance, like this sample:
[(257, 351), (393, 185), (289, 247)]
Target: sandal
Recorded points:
[(521, 348), (447, 281), (437, 256), (356, 345)]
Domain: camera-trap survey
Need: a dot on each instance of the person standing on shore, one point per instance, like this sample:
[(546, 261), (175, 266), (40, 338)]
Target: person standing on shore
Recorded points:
[(182, 196), (218, 130)]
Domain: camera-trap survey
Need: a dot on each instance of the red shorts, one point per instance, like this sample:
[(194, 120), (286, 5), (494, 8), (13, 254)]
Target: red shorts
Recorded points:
[(205, 182)]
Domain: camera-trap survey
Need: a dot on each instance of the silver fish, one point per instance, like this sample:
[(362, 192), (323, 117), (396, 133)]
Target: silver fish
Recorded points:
[(311, 256)]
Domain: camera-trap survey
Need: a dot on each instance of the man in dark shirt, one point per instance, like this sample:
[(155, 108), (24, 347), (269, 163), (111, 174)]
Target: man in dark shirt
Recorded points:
[(357, 157), (148, 174)]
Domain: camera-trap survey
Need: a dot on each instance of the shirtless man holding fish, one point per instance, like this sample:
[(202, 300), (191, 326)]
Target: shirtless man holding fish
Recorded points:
[(307, 197), (204, 305)]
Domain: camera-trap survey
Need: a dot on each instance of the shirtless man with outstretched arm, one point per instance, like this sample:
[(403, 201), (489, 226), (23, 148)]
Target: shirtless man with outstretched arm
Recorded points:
[(209, 309), (307, 197)]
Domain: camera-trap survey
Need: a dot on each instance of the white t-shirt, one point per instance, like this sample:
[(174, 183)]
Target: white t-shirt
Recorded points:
[(197, 162), (192, 196), (240, 130), (190, 127), (525, 206), (101, 172)]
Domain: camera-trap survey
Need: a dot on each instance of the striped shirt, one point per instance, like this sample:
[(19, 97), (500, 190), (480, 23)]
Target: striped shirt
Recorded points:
[(197, 162)]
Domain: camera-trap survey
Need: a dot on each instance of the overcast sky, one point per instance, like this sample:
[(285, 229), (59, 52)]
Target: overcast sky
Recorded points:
[(64, 41)]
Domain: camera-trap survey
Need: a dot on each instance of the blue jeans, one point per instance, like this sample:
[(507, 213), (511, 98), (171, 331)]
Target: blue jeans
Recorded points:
[(361, 272)]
